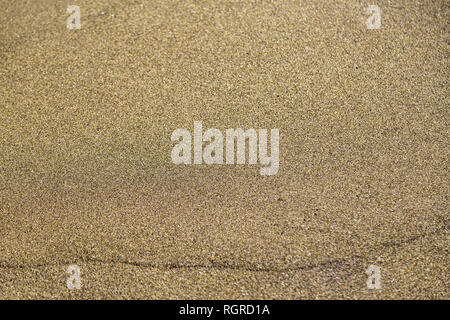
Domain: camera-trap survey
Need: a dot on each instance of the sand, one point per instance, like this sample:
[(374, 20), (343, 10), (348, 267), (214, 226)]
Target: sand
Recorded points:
[(86, 176)]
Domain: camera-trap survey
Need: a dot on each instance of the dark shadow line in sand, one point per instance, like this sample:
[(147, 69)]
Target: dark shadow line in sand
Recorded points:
[(226, 266)]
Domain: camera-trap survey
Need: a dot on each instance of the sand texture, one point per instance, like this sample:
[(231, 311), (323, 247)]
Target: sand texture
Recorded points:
[(86, 175)]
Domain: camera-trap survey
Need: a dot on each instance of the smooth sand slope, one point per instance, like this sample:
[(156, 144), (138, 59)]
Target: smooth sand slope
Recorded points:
[(86, 176)]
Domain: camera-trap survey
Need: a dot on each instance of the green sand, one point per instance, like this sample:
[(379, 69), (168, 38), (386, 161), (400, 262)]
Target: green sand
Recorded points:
[(86, 176)]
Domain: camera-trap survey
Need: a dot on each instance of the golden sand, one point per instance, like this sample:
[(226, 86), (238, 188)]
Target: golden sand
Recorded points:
[(86, 176)]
